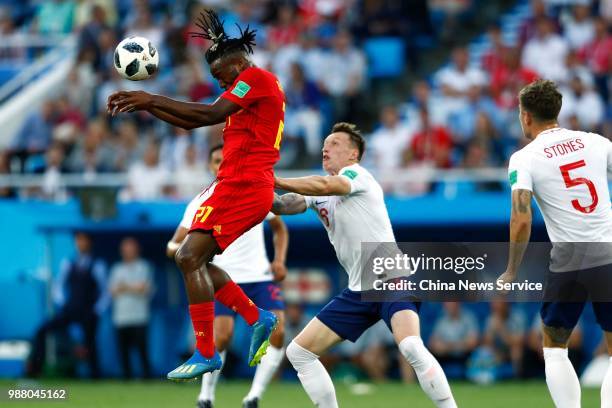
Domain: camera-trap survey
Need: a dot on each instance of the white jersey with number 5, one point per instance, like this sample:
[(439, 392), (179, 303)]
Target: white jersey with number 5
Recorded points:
[(567, 171), (360, 216)]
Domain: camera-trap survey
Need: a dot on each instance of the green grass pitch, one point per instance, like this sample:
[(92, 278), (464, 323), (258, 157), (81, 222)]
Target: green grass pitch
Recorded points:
[(290, 395)]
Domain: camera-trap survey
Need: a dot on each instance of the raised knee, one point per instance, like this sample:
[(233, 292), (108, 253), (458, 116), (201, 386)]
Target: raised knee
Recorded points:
[(186, 260)]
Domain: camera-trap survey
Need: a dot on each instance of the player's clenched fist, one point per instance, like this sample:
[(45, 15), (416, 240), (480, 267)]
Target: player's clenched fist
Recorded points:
[(128, 101), (279, 270)]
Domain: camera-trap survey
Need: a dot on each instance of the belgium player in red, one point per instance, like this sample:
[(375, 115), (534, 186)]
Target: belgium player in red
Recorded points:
[(252, 107)]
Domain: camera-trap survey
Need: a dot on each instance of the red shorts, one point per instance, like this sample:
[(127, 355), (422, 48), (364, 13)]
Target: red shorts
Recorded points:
[(230, 208)]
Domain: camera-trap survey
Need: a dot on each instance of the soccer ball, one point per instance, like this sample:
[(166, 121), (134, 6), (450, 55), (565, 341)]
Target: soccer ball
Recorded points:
[(136, 58)]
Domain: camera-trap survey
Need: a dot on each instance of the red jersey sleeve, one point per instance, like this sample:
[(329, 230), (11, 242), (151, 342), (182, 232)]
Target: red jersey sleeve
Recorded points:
[(250, 86)]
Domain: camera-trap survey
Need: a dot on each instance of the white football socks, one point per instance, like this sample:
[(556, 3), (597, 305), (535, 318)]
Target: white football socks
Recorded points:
[(606, 388), (265, 371), (209, 382), (314, 378), (430, 374), (561, 378)]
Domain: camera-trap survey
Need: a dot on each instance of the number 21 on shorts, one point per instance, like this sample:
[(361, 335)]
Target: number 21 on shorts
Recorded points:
[(203, 213)]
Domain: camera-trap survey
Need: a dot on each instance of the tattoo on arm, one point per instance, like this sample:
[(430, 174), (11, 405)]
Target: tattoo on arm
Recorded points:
[(290, 203), (521, 202)]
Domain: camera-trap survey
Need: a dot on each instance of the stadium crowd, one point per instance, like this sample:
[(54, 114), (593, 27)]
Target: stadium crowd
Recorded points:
[(462, 116)]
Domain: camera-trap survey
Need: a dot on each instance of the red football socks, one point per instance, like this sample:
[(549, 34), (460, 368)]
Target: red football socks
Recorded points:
[(232, 296), (202, 316)]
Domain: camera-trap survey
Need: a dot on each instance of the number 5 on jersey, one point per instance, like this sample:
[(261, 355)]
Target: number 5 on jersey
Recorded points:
[(573, 182)]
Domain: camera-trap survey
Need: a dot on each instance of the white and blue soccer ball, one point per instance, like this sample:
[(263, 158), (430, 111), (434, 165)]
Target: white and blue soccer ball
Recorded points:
[(136, 58)]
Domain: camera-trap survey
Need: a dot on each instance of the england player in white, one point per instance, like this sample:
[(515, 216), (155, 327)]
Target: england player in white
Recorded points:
[(567, 173), (246, 261), (351, 206)]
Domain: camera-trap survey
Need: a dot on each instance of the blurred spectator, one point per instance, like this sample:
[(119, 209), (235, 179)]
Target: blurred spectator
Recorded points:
[(585, 103), (455, 336), (598, 56), (307, 53), (90, 32), (10, 37), (302, 117), (55, 17), (131, 282), (130, 147), (147, 179), (140, 23), (79, 90), (528, 29), (86, 12), (463, 121), (35, 135), (575, 68), (456, 80), (578, 28), (533, 361), (446, 15), (493, 59), (287, 28), (80, 293), (504, 336), (389, 141), (545, 52), (54, 168), (93, 153), (191, 174), (423, 96), (431, 144), (173, 148), (344, 78), (509, 78)]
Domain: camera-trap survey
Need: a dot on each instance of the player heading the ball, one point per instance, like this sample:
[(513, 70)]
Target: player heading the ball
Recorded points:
[(252, 108)]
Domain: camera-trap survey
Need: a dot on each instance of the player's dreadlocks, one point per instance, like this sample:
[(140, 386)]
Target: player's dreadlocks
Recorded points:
[(212, 29)]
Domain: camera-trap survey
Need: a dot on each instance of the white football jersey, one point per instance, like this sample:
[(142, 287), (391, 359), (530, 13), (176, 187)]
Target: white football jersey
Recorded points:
[(360, 216), (567, 171), (245, 259)]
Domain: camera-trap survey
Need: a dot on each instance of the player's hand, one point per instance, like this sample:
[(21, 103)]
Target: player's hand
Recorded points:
[(128, 101), (279, 270), (508, 276)]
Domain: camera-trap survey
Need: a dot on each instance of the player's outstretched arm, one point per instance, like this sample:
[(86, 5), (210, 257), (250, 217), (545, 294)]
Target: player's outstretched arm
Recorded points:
[(520, 231), (315, 185), (288, 204), (188, 115)]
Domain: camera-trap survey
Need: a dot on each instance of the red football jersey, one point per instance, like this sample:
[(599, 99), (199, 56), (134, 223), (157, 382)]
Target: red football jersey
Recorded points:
[(252, 136)]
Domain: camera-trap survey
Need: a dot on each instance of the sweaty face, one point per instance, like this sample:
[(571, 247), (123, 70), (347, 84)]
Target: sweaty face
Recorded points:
[(215, 161), (225, 71), (338, 152)]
